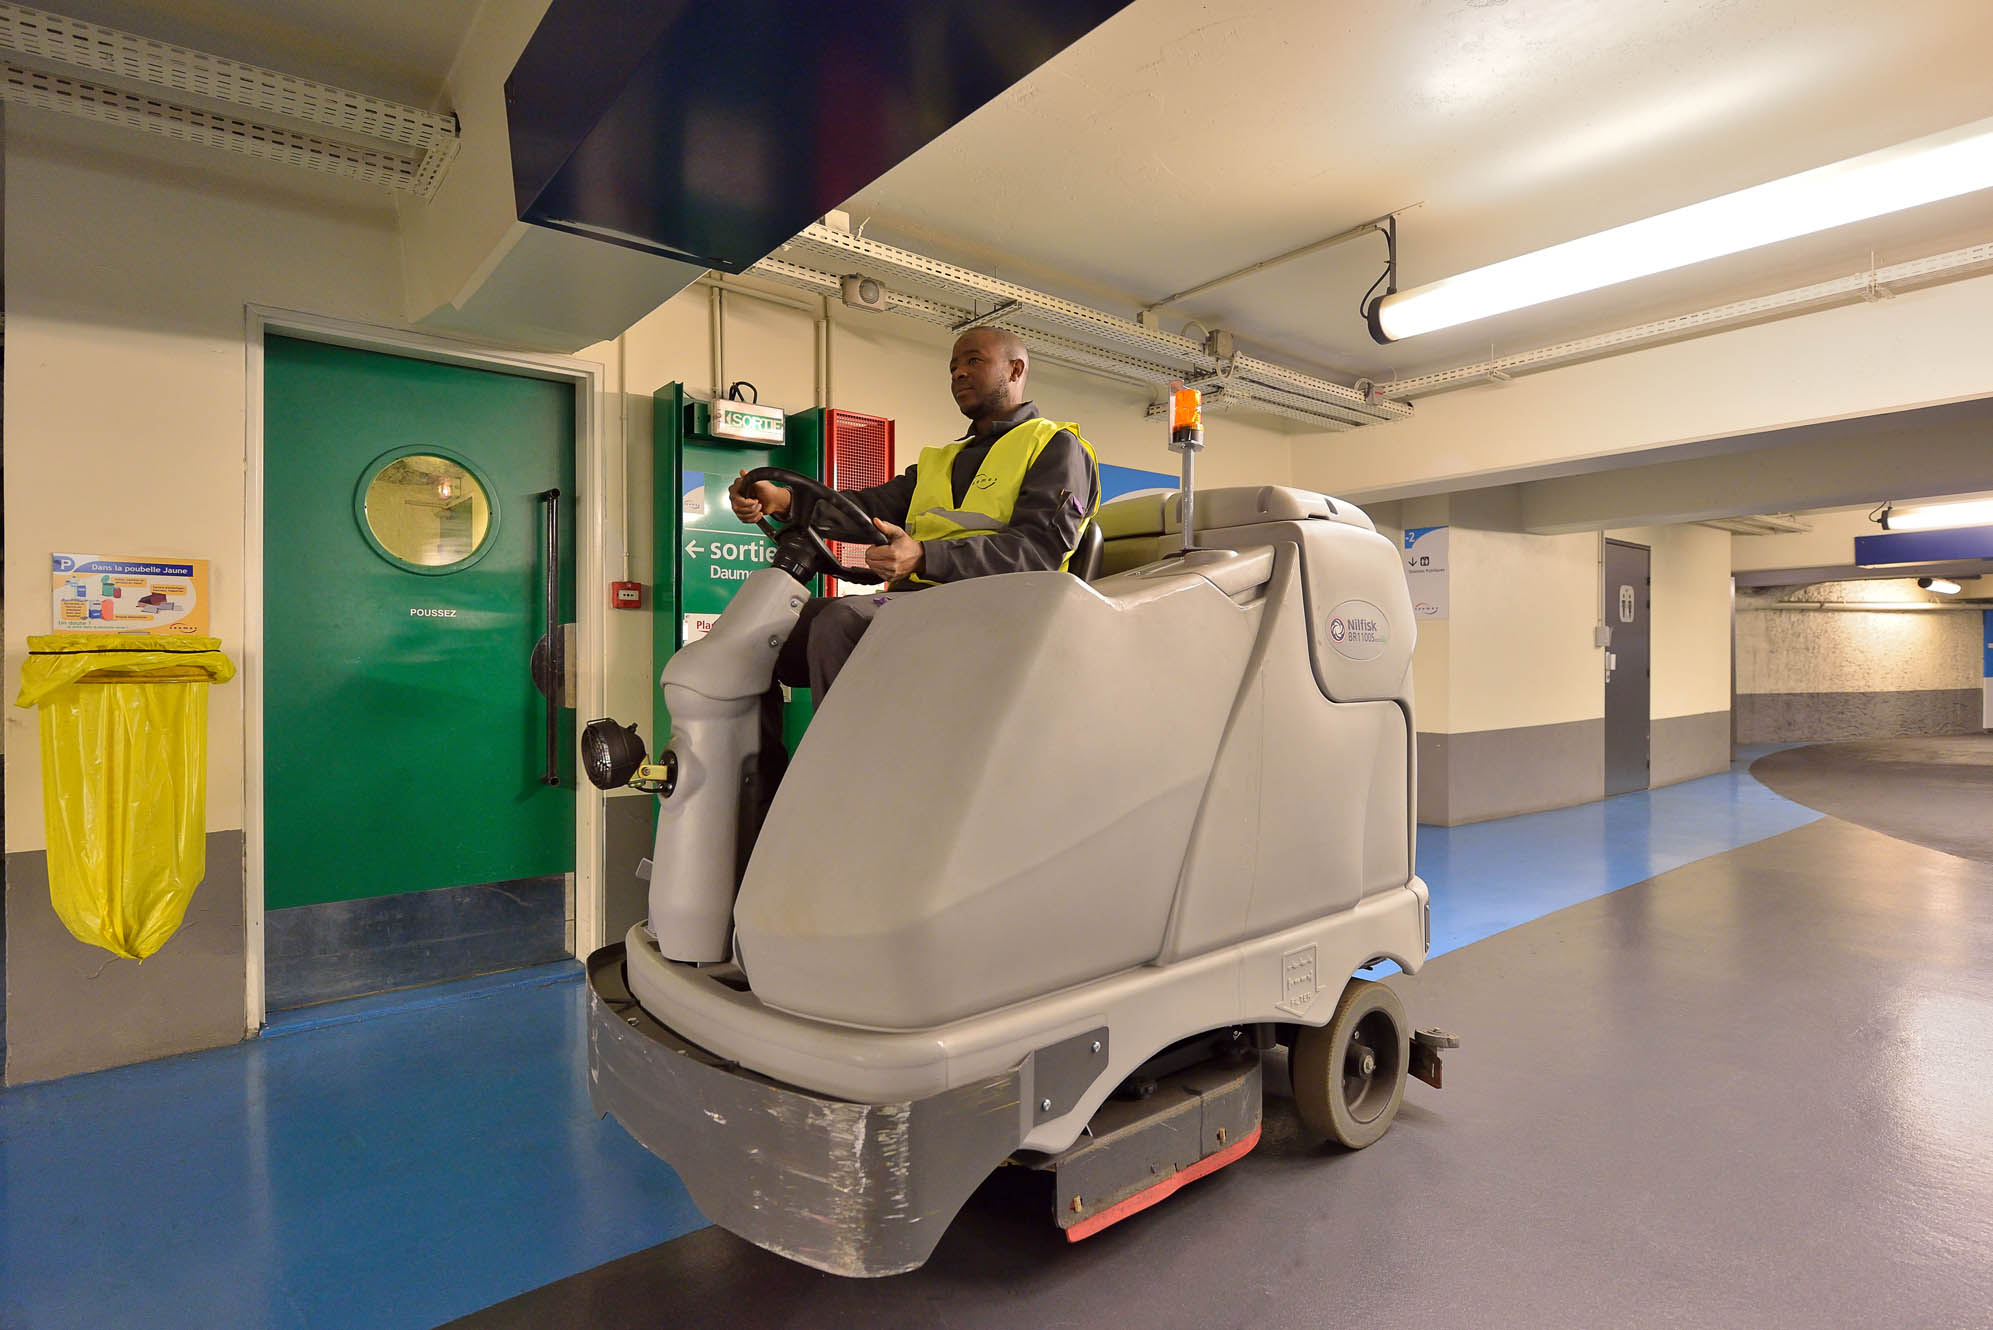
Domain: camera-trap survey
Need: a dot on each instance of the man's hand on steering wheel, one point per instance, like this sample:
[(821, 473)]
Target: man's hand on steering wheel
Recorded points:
[(762, 498), (813, 515), (900, 557)]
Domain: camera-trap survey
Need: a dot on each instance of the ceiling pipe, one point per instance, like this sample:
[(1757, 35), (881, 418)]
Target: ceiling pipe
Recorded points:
[(1340, 237), (1245, 382), (1084, 336)]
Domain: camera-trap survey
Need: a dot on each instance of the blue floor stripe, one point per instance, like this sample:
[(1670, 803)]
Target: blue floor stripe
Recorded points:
[(1489, 876), (317, 1017), (439, 1155), (395, 1172)]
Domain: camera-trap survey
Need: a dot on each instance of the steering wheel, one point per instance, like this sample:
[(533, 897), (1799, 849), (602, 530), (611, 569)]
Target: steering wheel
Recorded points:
[(817, 514)]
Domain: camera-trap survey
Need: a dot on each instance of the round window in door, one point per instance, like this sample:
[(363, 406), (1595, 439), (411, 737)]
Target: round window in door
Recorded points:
[(426, 510)]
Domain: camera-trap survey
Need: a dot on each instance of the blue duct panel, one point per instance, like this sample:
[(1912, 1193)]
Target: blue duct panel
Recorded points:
[(713, 132), (1965, 542)]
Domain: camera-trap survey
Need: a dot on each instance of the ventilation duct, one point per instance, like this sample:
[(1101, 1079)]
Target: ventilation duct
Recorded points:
[(707, 133)]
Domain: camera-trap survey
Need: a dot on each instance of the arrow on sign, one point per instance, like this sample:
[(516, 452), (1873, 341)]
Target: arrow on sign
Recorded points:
[(694, 548)]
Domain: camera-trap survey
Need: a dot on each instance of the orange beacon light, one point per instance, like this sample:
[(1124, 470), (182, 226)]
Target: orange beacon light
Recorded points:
[(1186, 418), (1187, 438)]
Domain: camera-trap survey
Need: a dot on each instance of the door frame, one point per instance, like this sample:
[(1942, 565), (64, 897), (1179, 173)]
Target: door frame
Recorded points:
[(591, 550), (1647, 552)]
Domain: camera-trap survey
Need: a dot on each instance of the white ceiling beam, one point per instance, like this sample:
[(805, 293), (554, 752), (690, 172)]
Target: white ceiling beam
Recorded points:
[(1711, 393), (1918, 461)]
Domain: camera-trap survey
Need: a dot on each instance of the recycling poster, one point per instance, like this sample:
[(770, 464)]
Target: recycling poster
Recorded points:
[(96, 593)]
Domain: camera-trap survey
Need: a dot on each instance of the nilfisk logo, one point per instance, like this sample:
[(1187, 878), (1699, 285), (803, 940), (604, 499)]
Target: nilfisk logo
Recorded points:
[(1359, 630)]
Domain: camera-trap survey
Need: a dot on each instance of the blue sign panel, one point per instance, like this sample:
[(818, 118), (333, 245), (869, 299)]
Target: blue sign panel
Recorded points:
[(1965, 542), (1116, 481)]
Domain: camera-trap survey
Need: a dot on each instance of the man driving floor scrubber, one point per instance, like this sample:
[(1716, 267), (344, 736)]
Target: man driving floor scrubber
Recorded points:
[(833, 1028), (1010, 496)]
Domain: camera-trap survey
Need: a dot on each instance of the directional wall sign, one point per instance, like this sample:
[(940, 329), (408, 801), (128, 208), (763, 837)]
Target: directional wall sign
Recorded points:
[(702, 555), (717, 552)]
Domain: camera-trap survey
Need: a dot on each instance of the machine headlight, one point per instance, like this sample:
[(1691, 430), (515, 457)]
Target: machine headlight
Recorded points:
[(610, 753)]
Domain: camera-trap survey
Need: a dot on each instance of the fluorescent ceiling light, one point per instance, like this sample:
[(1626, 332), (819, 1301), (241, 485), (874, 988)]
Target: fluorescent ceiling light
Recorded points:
[(1937, 516), (1944, 586), (1939, 166)]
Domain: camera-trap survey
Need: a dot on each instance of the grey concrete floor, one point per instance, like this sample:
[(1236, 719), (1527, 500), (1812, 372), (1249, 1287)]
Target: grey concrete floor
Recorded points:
[(1754, 1092), (1936, 792)]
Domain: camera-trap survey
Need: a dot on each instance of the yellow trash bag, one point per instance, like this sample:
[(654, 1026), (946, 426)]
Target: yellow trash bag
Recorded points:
[(124, 725)]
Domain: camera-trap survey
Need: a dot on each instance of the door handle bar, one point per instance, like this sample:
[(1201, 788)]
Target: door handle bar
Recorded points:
[(556, 639)]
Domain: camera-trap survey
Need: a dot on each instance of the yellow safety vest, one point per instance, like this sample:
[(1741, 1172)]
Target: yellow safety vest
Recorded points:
[(986, 508)]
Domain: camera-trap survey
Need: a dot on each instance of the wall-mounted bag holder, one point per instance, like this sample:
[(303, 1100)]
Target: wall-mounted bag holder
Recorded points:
[(124, 734)]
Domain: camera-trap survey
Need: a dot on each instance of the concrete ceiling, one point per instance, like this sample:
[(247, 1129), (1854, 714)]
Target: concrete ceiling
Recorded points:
[(397, 49), (1183, 139)]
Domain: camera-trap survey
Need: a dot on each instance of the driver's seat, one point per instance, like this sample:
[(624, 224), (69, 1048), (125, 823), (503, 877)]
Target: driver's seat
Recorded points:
[(1085, 563)]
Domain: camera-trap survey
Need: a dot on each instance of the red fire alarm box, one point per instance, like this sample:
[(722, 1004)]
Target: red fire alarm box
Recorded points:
[(626, 595), (857, 454)]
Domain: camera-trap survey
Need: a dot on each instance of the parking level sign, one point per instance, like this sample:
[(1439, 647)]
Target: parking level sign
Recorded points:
[(1426, 550)]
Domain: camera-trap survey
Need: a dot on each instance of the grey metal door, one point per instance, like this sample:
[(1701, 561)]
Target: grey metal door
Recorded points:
[(1628, 679)]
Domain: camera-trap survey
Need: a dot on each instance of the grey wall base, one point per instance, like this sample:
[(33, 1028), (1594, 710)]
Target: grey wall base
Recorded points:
[(629, 834), (1483, 774), (1685, 747), (342, 949), (1802, 717), (74, 1008)]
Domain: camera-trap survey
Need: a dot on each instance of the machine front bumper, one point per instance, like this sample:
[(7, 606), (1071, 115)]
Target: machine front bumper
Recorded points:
[(851, 1188)]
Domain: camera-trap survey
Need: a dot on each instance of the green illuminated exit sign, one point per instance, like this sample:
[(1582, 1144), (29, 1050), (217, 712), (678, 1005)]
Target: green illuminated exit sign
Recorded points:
[(746, 422)]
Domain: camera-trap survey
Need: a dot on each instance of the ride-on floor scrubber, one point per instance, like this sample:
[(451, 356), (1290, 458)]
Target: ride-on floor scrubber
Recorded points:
[(1054, 864)]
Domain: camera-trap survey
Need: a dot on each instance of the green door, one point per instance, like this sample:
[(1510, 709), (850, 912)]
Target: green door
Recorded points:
[(409, 833)]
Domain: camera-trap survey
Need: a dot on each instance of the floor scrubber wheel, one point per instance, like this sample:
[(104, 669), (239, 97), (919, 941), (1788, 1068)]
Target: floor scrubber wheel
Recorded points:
[(1349, 1075)]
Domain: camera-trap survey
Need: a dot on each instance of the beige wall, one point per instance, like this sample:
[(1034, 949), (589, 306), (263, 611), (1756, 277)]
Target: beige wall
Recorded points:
[(1510, 688), (1807, 674), (1855, 651), (1516, 649), (129, 267), (1690, 651), (883, 364), (1523, 612), (127, 277), (893, 366)]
